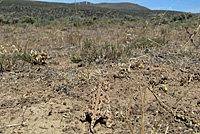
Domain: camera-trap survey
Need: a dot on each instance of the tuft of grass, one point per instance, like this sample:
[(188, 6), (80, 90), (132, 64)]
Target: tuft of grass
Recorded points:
[(91, 52)]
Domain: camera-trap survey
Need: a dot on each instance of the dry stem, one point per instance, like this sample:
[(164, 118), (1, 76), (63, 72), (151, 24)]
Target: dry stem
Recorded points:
[(128, 111), (142, 120)]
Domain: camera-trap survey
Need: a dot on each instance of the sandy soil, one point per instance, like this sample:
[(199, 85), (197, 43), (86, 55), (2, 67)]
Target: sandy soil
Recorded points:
[(50, 98)]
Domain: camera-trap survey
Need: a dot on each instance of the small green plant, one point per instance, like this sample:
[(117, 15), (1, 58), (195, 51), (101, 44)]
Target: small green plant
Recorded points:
[(75, 59), (24, 57), (109, 22), (159, 40), (142, 43), (111, 51), (8, 60), (89, 50), (163, 31), (90, 21), (87, 43)]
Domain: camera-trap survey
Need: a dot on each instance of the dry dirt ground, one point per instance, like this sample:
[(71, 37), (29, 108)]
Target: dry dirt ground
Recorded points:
[(50, 98)]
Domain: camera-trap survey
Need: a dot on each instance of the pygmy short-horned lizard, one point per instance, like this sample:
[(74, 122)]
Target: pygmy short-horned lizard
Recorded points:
[(99, 107)]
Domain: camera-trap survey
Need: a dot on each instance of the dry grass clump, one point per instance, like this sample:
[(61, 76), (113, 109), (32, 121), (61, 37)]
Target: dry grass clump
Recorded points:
[(159, 43)]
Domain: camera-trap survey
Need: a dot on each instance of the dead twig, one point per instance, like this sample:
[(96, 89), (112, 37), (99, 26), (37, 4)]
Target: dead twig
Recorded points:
[(14, 125), (191, 36), (128, 111), (154, 42), (159, 100), (166, 131), (43, 127), (142, 100), (7, 107)]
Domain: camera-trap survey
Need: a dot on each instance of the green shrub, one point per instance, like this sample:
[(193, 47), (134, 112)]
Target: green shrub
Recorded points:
[(41, 23), (76, 21), (87, 21), (15, 21), (181, 17), (164, 21), (28, 19), (2, 19), (12, 21), (128, 18)]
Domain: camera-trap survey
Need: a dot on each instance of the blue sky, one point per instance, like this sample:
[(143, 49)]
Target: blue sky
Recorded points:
[(177, 5)]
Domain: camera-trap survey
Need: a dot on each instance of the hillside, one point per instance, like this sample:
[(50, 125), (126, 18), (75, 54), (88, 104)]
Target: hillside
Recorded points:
[(118, 6), (122, 6), (51, 11)]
